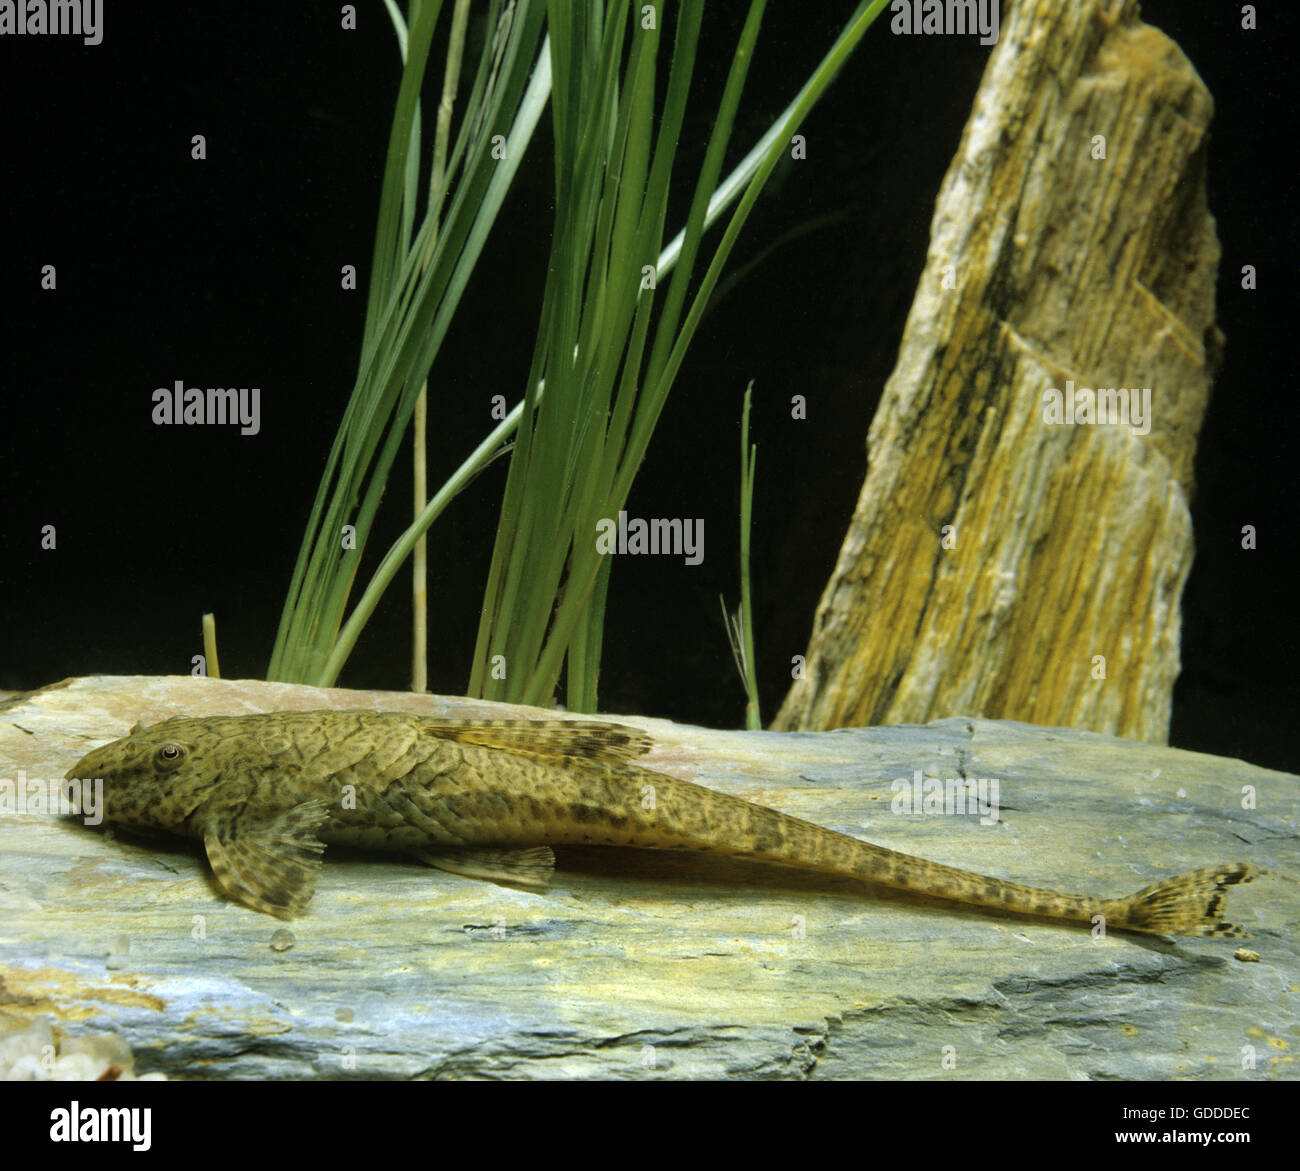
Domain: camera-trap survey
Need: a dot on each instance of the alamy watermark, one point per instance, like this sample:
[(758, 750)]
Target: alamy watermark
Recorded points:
[(659, 535), (1081, 406), (53, 18), (949, 18), (58, 797), (102, 1124), (955, 796), (216, 405)]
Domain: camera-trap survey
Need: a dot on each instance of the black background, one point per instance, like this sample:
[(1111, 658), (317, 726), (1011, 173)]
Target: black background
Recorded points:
[(226, 273)]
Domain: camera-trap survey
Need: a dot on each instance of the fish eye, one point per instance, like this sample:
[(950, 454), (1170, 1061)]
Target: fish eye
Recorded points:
[(169, 756)]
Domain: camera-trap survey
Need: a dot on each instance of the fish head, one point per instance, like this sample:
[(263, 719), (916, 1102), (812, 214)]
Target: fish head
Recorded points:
[(153, 777)]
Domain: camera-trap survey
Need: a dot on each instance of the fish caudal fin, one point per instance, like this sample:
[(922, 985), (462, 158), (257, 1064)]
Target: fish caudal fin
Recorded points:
[(1187, 904)]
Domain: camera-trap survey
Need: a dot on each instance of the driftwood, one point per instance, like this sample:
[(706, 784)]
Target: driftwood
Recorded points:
[(646, 964), (1007, 559)]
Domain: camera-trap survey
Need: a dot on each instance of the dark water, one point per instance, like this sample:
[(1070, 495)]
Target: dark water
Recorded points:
[(226, 273)]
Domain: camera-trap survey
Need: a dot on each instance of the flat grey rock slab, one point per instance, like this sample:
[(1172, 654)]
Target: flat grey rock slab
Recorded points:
[(650, 964)]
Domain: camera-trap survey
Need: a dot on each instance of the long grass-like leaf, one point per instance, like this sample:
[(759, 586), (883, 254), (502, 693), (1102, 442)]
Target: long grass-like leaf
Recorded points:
[(415, 287), (608, 349), (576, 459)]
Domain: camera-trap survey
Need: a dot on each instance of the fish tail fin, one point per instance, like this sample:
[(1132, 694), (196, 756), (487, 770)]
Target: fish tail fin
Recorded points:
[(1187, 904)]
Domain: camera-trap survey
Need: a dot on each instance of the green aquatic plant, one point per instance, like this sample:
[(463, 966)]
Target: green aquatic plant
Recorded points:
[(419, 453), (610, 341), (740, 625), (417, 278)]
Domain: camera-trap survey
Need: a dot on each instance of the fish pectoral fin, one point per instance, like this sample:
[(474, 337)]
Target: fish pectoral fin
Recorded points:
[(531, 867), (268, 863)]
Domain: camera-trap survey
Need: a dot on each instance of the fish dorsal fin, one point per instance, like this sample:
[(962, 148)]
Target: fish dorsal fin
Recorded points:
[(613, 743), (267, 863), (531, 867)]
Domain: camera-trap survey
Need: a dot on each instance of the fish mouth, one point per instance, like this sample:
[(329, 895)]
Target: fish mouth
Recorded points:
[(86, 768)]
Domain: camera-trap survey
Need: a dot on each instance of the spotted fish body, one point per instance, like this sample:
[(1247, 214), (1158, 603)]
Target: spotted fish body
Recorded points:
[(488, 798)]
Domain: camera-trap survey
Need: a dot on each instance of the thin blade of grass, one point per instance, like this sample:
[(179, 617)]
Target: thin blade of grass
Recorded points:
[(409, 308)]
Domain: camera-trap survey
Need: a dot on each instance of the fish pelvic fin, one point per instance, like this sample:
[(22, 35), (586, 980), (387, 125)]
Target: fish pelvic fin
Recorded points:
[(531, 868)]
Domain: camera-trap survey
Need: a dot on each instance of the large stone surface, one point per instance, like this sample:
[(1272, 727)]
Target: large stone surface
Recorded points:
[(1049, 267), (645, 964)]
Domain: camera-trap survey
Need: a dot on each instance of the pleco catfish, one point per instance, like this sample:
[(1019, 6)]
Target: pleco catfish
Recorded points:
[(488, 798)]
